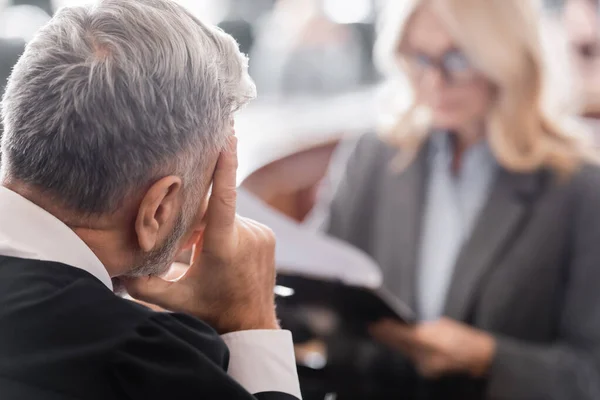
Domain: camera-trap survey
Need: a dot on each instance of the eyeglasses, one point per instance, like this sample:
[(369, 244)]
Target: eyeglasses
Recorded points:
[(454, 65)]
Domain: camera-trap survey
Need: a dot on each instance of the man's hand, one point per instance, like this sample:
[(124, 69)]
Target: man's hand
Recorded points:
[(230, 282), (440, 348)]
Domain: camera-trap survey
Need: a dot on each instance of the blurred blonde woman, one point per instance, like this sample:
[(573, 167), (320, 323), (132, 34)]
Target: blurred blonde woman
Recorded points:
[(482, 211)]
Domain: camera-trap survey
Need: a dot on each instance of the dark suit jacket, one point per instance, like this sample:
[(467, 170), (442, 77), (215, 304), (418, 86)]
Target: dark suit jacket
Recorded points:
[(65, 336), (530, 272)]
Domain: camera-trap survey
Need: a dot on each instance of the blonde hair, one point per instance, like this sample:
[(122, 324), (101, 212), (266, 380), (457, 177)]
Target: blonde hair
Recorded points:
[(502, 38)]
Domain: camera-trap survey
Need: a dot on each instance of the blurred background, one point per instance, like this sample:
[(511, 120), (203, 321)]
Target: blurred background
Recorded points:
[(319, 87), (312, 61), (310, 56)]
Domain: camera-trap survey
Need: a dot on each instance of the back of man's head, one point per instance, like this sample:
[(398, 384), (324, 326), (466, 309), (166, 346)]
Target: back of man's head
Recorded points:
[(110, 97)]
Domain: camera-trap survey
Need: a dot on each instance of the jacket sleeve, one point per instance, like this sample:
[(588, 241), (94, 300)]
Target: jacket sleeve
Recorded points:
[(569, 368), (350, 218), (173, 356), (346, 211)]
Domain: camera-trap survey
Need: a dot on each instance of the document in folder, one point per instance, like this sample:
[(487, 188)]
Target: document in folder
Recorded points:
[(318, 270)]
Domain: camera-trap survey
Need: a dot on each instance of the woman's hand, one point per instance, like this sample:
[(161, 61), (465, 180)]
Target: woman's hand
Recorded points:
[(440, 348)]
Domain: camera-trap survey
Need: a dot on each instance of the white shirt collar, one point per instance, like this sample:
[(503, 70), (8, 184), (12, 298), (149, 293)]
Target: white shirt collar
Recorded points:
[(30, 232)]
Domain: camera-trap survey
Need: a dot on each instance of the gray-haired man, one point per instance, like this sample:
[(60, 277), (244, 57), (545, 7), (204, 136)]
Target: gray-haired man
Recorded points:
[(117, 120)]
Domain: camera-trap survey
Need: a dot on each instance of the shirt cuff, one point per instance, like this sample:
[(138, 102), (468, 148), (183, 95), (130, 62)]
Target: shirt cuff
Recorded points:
[(263, 361)]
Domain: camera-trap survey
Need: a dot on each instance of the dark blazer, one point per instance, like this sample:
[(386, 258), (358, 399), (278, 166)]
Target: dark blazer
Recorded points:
[(66, 336), (530, 272)]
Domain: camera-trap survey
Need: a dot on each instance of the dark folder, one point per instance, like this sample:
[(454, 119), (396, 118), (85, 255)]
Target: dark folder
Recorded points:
[(354, 306)]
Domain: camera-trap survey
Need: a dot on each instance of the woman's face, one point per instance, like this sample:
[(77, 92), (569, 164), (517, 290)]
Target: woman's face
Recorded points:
[(582, 20), (444, 79)]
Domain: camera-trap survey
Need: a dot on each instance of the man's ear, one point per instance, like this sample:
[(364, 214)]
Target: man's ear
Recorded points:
[(158, 212)]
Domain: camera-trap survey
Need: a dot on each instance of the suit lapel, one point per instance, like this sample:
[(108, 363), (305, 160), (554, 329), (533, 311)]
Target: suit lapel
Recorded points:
[(505, 211), (402, 219)]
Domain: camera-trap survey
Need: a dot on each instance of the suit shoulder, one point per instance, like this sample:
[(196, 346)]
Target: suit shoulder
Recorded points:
[(583, 191), (173, 332), (371, 149), (586, 180)]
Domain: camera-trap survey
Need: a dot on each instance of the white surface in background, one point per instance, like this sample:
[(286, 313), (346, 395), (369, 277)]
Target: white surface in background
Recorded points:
[(308, 253), (69, 3), (271, 129), (208, 10), (21, 22), (348, 11)]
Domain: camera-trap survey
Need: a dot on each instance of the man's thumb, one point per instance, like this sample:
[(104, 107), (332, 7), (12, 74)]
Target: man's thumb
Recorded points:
[(151, 289)]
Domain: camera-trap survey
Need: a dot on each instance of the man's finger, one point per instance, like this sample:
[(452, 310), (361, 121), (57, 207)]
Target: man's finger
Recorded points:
[(152, 289), (220, 215)]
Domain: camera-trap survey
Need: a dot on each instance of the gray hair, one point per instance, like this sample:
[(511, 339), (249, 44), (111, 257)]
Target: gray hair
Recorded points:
[(111, 96)]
